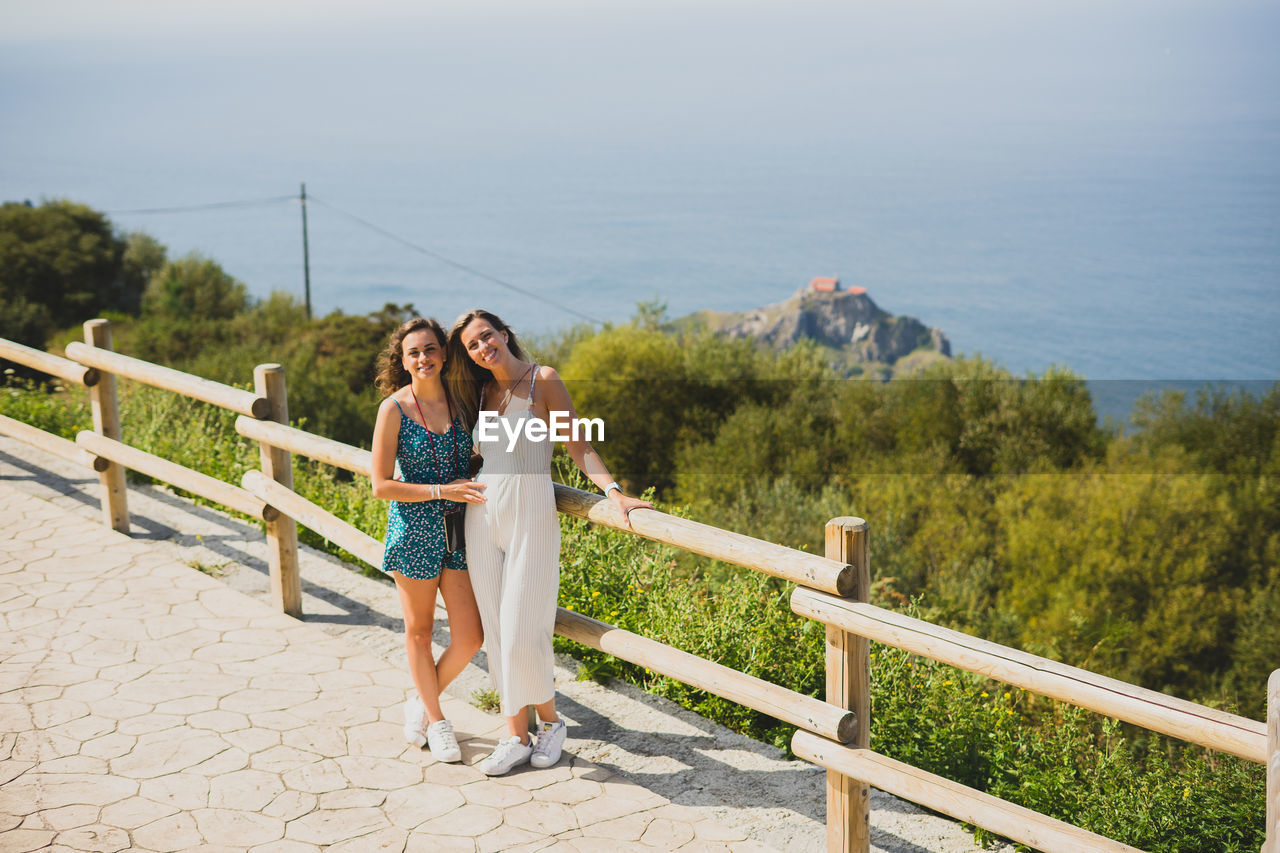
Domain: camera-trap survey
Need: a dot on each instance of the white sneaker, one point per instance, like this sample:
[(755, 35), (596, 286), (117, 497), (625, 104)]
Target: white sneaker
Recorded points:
[(415, 722), (444, 746), (550, 741), (509, 753)]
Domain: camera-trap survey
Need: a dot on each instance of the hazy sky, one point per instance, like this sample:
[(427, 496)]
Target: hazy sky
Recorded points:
[(480, 75)]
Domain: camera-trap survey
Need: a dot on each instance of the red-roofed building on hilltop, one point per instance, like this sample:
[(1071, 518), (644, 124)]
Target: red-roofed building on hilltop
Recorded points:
[(825, 285), (859, 291)]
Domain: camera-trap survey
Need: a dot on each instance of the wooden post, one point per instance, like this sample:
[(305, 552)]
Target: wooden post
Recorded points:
[(282, 534), (1272, 843), (849, 686), (106, 422)]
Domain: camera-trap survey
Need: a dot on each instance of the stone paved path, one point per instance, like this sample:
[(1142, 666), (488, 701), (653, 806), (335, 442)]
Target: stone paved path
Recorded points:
[(145, 706)]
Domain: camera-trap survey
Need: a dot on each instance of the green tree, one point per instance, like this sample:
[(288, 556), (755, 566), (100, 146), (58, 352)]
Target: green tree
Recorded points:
[(194, 287), (60, 264)]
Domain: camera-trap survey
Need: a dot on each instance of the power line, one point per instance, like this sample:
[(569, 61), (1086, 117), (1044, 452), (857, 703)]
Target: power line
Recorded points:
[(217, 205), (450, 262)]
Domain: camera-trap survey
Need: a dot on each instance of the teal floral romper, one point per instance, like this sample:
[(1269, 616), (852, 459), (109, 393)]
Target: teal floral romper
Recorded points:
[(415, 545)]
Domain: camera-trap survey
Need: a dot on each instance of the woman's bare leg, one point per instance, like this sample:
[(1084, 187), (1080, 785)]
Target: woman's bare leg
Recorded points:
[(466, 635), (418, 603)]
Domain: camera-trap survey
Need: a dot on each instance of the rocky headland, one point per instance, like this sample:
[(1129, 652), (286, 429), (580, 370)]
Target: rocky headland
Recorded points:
[(860, 338)]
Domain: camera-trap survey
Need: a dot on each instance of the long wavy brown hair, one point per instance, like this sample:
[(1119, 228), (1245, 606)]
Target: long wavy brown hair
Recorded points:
[(391, 373), (462, 376)]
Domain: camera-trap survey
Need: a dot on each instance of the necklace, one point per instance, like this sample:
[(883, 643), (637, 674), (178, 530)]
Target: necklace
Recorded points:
[(502, 404)]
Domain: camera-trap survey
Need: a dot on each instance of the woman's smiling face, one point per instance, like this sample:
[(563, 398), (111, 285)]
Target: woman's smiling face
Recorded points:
[(486, 345), (422, 352)]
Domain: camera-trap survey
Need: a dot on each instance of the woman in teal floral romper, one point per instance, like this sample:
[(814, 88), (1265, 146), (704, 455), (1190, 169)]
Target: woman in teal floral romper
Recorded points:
[(421, 455)]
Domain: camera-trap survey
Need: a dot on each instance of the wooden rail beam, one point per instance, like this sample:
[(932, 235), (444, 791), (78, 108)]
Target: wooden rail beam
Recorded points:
[(50, 443), (787, 705), (235, 399), (177, 475), (707, 541), (304, 443), (62, 368), (1156, 711), (309, 515), (951, 798)]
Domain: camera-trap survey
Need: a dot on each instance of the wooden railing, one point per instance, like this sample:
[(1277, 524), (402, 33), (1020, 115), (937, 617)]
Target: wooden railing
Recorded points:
[(833, 589)]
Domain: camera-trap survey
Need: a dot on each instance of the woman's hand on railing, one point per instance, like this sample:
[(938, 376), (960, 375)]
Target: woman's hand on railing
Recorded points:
[(625, 504), (463, 491)]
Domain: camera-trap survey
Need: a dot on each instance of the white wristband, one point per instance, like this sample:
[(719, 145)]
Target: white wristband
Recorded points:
[(610, 488)]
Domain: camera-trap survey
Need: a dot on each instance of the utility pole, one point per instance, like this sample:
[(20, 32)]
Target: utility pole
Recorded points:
[(306, 254)]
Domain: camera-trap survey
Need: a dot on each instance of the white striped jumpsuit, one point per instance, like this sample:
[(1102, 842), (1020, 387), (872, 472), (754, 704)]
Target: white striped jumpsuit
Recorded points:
[(513, 553)]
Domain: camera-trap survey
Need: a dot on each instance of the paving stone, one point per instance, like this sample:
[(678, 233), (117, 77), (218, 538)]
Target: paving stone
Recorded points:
[(452, 775), (170, 834), (391, 840), (409, 808), (341, 679), (218, 721), (376, 739), (667, 834), (74, 764), (336, 711), (246, 790), (281, 721), (317, 777), (24, 840), (43, 746), (286, 845), (507, 837), (253, 740), (627, 828), (169, 751), (369, 772), (64, 818), (352, 798), (10, 770), (570, 791), (490, 793), (135, 812), (236, 828), (532, 779), (54, 712), (136, 718), (468, 821), (710, 830), (281, 759), (187, 706), (109, 746), (34, 791), (329, 741), (94, 839), (85, 728), (291, 804), (542, 818), (331, 826), (182, 790), (428, 843)]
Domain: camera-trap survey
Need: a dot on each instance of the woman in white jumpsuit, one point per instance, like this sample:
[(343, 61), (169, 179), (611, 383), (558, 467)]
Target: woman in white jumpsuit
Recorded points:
[(513, 538)]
